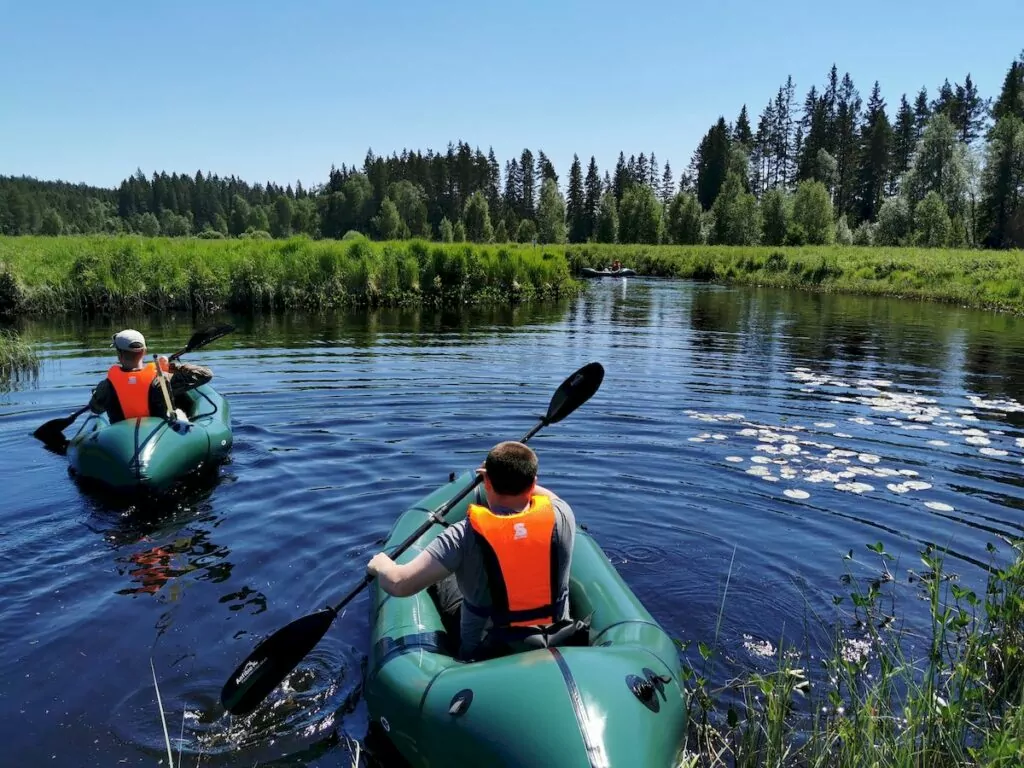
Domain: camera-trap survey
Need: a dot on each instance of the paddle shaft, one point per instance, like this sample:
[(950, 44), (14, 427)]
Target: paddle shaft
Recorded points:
[(163, 386)]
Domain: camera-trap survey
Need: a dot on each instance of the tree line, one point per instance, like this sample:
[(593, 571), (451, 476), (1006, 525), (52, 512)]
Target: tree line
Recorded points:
[(946, 170)]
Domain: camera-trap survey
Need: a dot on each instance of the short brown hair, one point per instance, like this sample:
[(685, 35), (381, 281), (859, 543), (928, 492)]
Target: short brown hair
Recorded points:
[(511, 467)]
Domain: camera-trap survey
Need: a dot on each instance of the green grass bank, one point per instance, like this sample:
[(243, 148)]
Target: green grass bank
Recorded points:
[(883, 695), (980, 279), (124, 273), (129, 273)]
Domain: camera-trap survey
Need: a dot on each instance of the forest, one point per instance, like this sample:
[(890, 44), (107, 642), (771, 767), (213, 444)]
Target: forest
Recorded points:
[(945, 170)]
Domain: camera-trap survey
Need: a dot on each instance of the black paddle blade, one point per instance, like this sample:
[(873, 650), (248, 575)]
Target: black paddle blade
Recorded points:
[(575, 391), (272, 660), (204, 336), (51, 433)]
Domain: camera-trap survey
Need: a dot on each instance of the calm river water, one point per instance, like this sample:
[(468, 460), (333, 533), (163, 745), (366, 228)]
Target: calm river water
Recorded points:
[(743, 441)]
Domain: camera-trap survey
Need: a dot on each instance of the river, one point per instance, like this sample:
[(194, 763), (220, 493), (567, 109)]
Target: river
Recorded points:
[(744, 440)]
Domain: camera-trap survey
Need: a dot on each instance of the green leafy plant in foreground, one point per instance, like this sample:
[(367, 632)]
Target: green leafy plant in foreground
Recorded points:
[(956, 700)]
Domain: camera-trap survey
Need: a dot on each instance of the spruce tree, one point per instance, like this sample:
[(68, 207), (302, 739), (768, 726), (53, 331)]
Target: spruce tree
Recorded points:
[(903, 145), (668, 186), (741, 131), (1011, 97), (593, 199), (621, 181), (1002, 199), (874, 155), (921, 114), (712, 163), (970, 111), (526, 174), (575, 204)]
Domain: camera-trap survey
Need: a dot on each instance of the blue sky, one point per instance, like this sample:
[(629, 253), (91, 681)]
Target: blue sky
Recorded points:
[(280, 90)]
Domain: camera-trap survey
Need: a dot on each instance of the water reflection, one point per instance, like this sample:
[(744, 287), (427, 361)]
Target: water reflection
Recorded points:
[(744, 440)]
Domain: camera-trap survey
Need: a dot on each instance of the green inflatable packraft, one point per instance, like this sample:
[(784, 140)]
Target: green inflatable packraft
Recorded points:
[(150, 453), (617, 701)]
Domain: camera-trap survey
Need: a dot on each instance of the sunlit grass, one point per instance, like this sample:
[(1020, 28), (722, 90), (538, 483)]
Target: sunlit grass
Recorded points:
[(104, 273), (985, 279)]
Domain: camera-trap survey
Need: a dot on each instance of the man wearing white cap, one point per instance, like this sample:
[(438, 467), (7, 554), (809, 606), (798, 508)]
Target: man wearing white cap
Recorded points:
[(132, 389)]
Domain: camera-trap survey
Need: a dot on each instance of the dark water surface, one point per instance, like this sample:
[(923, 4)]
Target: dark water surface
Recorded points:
[(743, 441)]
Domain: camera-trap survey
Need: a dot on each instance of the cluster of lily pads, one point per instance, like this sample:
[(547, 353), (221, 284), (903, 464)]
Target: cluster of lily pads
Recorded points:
[(792, 452)]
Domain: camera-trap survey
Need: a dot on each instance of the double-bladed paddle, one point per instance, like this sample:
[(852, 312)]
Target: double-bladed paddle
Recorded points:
[(50, 433), (276, 656)]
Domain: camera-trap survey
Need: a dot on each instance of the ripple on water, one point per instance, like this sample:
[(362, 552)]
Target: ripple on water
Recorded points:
[(341, 422)]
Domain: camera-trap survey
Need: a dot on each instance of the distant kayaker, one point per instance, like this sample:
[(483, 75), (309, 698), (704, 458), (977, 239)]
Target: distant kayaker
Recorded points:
[(506, 565), (131, 389)]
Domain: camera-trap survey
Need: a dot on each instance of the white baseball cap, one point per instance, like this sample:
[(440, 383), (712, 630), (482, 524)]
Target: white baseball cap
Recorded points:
[(128, 339)]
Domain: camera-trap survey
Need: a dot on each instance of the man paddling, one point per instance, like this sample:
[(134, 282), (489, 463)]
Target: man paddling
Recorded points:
[(505, 568), (132, 388)]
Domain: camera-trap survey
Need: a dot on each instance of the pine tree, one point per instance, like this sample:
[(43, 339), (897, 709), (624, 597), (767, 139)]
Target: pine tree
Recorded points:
[(575, 204), (493, 189), (830, 106), (903, 145), (593, 199), (815, 127), (783, 134), (622, 180), (1011, 97), (512, 202), (641, 173), (874, 155), (763, 157), (970, 111), (741, 131), (526, 174), (921, 114), (712, 163), (945, 102), (545, 170), (846, 128), (668, 190), (1002, 207), (653, 174)]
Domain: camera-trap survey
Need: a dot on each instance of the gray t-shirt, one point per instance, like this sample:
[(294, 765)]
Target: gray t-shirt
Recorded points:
[(457, 550)]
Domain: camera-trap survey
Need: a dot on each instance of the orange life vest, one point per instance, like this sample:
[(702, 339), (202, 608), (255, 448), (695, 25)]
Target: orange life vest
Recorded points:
[(519, 558), (132, 389)]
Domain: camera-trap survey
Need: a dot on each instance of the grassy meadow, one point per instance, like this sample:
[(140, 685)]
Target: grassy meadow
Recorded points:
[(126, 273)]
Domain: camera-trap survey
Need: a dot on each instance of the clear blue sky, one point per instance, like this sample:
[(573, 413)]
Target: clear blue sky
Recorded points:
[(280, 90)]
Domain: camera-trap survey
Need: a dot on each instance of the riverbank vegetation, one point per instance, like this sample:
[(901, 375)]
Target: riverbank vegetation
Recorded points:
[(946, 170), (124, 273), (972, 278), (884, 695), (17, 357)]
